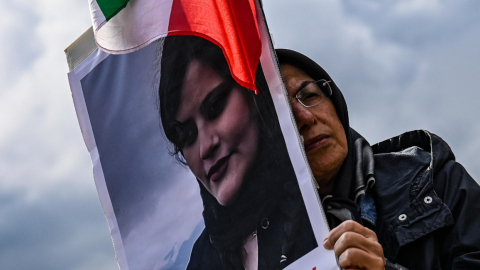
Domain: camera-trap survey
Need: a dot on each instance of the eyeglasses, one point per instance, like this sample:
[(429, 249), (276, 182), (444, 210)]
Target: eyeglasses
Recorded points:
[(311, 94)]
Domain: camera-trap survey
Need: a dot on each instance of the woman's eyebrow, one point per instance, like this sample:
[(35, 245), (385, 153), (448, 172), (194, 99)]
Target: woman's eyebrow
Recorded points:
[(303, 84)]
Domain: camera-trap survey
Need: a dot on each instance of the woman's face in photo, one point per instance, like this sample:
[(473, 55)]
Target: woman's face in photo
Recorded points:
[(220, 134)]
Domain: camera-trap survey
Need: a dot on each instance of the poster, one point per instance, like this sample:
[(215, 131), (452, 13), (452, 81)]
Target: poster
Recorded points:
[(194, 170)]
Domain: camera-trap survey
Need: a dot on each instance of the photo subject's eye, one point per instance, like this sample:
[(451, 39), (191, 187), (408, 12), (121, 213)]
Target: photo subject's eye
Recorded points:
[(190, 134), (217, 105), (187, 133)]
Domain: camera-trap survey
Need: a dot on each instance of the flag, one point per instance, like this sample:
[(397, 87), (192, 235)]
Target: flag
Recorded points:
[(121, 26)]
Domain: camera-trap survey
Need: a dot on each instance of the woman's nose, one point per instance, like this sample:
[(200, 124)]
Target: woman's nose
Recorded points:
[(303, 116), (209, 143)]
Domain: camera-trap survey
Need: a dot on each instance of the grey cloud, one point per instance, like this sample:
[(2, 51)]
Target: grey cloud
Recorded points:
[(20, 45), (50, 216), (53, 231), (416, 26)]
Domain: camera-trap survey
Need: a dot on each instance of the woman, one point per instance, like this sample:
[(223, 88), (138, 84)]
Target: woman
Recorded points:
[(341, 160), (410, 202), (231, 140)]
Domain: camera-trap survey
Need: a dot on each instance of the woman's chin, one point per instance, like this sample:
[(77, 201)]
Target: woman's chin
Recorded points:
[(226, 197), (229, 186), (225, 201)]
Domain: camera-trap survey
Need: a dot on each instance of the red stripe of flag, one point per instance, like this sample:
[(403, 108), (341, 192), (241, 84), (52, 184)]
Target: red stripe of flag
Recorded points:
[(231, 24)]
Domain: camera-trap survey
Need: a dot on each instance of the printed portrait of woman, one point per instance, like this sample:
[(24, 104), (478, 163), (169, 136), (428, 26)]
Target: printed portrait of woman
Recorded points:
[(230, 139)]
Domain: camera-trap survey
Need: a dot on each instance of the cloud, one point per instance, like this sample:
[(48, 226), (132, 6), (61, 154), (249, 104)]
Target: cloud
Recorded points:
[(53, 233), (51, 218), (20, 47), (416, 24)]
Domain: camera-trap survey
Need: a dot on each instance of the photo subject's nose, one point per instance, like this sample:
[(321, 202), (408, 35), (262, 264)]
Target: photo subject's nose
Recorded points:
[(208, 145)]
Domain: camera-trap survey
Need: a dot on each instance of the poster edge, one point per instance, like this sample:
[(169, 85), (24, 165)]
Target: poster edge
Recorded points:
[(298, 160), (81, 111)]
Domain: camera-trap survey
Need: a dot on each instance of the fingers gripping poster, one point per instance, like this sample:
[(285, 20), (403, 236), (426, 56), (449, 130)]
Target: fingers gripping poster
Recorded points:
[(195, 168)]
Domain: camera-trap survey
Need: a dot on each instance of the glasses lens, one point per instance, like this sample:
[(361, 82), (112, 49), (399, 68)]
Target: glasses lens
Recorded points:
[(312, 93), (324, 85)]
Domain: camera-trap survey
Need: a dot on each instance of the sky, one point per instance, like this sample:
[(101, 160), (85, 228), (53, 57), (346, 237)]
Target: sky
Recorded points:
[(402, 65)]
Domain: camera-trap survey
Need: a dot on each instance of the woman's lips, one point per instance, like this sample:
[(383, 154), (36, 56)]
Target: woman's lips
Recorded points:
[(315, 142), (218, 169)]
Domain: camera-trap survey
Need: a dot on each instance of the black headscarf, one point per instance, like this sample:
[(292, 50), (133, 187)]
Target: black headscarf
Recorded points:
[(355, 176)]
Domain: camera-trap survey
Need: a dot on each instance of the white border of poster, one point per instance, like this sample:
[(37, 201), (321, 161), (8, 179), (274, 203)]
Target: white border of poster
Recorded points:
[(83, 118), (319, 257)]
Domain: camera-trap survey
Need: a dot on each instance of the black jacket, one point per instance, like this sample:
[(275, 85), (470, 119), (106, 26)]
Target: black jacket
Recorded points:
[(427, 204), (270, 234)]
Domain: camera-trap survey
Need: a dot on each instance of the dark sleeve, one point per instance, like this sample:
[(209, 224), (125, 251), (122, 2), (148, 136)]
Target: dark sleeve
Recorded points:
[(393, 266), (461, 242)]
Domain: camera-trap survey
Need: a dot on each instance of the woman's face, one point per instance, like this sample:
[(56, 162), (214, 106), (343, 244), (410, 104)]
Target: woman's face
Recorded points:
[(324, 137), (221, 134)]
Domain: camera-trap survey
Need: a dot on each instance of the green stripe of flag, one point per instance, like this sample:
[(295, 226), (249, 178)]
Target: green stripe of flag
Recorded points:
[(110, 8)]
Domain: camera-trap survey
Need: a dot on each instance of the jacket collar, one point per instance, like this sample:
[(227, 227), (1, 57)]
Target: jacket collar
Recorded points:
[(407, 204)]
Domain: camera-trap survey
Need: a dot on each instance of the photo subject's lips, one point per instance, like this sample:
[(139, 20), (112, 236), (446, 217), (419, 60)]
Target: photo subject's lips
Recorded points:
[(218, 169), (315, 142)]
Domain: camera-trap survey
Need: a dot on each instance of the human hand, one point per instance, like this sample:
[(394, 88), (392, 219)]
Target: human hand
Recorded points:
[(355, 246)]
